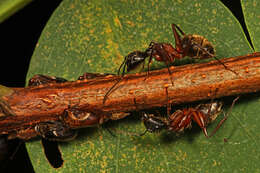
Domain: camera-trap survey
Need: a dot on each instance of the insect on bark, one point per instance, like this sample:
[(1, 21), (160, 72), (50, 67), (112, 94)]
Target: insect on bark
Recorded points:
[(191, 45), (62, 130), (177, 122)]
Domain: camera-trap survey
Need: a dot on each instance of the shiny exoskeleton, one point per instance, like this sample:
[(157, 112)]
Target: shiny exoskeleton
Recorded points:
[(203, 115), (55, 131), (61, 130), (180, 120), (192, 45), (52, 131), (43, 79), (153, 123)]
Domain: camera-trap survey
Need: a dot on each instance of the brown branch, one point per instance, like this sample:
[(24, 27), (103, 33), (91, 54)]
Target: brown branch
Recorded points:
[(192, 82)]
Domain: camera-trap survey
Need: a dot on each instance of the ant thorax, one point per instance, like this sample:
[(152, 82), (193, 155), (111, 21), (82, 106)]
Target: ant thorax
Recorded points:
[(197, 46)]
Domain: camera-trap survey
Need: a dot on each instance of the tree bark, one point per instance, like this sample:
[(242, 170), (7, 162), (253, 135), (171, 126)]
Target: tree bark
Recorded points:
[(31, 105)]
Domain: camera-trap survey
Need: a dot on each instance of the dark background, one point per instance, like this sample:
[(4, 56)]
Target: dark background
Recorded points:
[(19, 35)]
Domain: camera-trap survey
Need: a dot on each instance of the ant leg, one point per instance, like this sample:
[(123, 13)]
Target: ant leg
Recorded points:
[(151, 47), (168, 103), (170, 73), (122, 65), (213, 56), (225, 118), (198, 117), (111, 90), (225, 66), (161, 51), (179, 29), (118, 73), (177, 37), (142, 134)]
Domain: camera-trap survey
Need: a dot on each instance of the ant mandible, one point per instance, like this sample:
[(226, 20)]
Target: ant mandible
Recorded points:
[(203, 114)]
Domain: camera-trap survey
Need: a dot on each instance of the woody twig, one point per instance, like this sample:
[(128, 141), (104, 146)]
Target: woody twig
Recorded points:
[(193, 82)]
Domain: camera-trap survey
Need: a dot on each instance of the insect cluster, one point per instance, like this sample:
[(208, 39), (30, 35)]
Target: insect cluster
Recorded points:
[(191, 45)]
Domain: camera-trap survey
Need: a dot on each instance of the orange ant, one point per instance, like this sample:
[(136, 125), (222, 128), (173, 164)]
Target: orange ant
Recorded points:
[(192, 45), (203, 114)]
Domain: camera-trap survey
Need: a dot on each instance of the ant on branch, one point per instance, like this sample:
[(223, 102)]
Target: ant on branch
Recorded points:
[(192, 45), (52, 132), (203, 115)]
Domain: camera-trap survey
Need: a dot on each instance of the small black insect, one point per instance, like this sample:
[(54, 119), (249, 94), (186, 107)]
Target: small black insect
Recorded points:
[(51, 132), (153, 123), (55, 131), (40, 79), (93, 75)]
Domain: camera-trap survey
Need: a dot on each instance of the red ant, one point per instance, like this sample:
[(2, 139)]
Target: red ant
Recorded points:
[(192, 45), (203, 114)]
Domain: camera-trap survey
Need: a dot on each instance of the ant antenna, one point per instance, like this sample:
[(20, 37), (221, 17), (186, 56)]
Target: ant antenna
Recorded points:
[(122, 65), (179, 29), (213, 56), (142, 134), (224, 119), (118, 73), (110, 90)]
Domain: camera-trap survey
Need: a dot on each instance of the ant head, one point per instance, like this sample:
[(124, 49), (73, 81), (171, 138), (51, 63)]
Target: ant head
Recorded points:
[(134, 59), (152, 123)]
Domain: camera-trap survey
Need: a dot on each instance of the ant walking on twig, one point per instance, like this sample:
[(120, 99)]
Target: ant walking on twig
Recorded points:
[(203, 114), (192, 45)]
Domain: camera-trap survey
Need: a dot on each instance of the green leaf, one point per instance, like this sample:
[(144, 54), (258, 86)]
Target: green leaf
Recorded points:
[(94, 36), (9, 7), (251, 11)]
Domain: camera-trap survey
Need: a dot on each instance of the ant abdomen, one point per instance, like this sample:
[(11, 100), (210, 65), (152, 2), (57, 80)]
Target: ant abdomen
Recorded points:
[(197, 46)]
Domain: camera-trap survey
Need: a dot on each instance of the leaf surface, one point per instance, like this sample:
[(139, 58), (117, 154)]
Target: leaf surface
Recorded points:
[(9, 7), (251, 10), (94, 36)]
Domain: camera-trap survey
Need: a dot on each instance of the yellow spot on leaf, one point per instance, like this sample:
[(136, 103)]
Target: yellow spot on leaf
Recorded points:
[(130, 23), (117, 21)]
